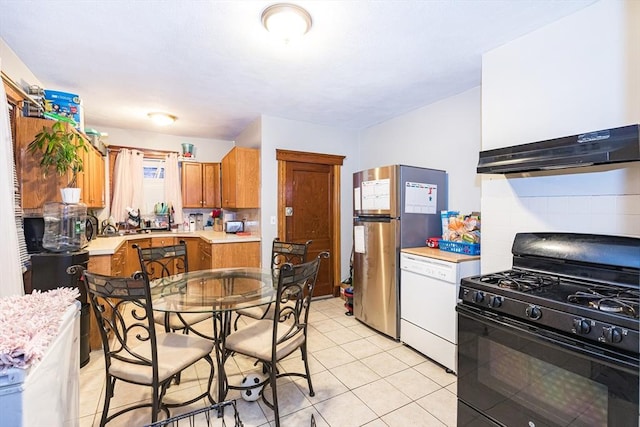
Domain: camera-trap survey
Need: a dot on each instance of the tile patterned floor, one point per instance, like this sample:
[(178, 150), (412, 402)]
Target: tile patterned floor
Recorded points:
[(361, 378)]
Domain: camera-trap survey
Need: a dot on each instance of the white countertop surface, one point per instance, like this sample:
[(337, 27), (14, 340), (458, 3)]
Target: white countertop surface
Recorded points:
[(109, 245)]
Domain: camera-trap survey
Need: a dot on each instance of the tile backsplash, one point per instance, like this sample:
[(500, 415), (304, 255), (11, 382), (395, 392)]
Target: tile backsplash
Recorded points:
[(597, 200)]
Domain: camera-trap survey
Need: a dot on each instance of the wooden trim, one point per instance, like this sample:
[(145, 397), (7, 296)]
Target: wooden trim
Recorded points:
[(14, 97), (148, 154), (327, 159), (14, 90), (282, 177), (304, 157)]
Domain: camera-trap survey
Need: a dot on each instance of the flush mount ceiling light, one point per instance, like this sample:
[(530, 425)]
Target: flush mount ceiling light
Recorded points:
[(286, 21), (162, 119)]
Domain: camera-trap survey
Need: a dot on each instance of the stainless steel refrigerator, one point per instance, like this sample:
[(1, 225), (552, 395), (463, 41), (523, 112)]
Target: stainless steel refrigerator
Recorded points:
[(395, 207)]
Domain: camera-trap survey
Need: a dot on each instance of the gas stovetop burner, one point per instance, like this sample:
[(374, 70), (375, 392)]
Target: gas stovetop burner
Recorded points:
[(518, 280), (609, 299)]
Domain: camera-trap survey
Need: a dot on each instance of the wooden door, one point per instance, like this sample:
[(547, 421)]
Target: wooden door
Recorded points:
[(309, 209)]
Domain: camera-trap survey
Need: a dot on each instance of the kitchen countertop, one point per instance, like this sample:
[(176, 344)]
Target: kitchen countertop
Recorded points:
[(109, 245), (441, 255)]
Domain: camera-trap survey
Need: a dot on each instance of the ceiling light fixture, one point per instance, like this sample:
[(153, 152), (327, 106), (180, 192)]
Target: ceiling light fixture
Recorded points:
[(287, 21), (162, 119)]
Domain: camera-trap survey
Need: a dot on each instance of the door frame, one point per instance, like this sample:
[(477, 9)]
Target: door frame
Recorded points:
[(284, 156)]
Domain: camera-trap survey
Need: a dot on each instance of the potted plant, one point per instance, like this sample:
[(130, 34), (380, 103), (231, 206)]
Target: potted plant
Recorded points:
[(60, 148)]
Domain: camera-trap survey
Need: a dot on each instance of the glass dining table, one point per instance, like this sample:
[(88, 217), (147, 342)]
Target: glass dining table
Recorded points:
[(217, 291)]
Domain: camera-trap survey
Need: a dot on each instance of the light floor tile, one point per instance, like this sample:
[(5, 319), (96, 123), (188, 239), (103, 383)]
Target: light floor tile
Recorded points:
[(361, 378), (435, 372), (343, 336), (411, 415), (333, 356), (413, 383), (325, 386), (362, 330), (383, 342), (326, 326), (384, 364), (345, 410), (442, 404), (381, 396), (361, 348), (355, 374), (407, 355), (290, 400)]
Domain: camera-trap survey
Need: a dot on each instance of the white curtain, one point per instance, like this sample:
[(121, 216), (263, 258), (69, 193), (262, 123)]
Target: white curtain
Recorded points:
[(127, 183), (172, 188), (10, 264)]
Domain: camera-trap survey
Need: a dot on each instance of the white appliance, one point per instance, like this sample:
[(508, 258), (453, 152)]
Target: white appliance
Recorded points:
[(428, 298), (46, 394)]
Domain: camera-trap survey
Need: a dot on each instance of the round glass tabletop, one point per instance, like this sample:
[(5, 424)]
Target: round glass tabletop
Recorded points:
[(213, 290)]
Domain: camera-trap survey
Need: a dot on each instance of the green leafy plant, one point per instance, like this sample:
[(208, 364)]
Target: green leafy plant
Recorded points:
[(60, 148)]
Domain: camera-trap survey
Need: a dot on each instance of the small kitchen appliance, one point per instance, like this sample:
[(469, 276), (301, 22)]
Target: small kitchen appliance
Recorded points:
[(234, 226), (554, 340)]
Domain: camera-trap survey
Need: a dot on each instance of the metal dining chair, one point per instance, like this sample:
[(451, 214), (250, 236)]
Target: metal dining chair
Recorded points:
[(134, 352), (163, 261), (281, 253), (271, 340)]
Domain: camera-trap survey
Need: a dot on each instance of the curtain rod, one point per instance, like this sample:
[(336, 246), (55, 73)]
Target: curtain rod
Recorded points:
[(146, 153)]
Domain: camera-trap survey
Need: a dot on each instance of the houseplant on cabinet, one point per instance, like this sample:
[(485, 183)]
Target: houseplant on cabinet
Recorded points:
[(60, 148)]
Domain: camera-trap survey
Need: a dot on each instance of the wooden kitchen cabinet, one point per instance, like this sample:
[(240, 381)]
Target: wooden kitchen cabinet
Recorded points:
[(36, 189), (132, 261), (240, 176), (243, 254), (204, 251), (92, 179), (201, 185), (108, 265), (193, 252)]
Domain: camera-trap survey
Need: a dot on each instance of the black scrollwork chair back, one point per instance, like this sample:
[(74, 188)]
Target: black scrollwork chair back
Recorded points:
[(134, 351), (163, 261), (281, 253), (271, 340)]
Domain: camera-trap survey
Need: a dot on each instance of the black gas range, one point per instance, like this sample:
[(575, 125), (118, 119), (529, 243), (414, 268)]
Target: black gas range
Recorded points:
[(562, 325), (587, 285)]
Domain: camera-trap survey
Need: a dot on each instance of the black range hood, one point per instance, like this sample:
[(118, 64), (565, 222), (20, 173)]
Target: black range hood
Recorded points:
[(593, 148)]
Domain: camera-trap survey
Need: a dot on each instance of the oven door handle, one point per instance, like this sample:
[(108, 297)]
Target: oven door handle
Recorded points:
[(604, 356)]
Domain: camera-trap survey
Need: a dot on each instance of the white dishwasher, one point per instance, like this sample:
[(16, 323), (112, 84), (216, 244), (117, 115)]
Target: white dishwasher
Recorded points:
[(428, 297)]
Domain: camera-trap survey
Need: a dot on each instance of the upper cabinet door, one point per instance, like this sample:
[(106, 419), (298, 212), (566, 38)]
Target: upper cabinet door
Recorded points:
[(191, 185), (200, 185), (241, 178), (211, 185)]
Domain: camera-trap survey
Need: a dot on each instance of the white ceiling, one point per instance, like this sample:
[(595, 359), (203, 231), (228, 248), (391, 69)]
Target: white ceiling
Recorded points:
[(213, 65)]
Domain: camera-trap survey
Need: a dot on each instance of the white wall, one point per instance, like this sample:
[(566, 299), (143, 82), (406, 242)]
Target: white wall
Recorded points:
[(206, 150), (285, 134), (576, 75), (13, 67), (443, 135)]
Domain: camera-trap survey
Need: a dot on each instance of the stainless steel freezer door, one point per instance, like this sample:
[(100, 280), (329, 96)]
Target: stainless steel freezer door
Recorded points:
[(375, 276)]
